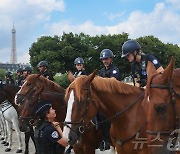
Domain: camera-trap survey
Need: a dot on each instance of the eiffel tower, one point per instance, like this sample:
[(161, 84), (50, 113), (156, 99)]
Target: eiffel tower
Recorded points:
[(13, 59)]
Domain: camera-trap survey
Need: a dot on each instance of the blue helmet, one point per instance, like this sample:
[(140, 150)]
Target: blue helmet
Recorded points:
[(129, 47), (8, 74), (29, 69), (43, 63), (78, 61), (106, 53), (19, 70)]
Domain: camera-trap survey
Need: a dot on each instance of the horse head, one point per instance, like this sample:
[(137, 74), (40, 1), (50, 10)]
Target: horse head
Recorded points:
[(34, 89), (158, 100), (31, 88), (80, 111)]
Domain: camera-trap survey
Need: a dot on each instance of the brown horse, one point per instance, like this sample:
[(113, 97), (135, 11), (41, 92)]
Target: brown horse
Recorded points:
[(121, 103), (37, 88), (162, 105)]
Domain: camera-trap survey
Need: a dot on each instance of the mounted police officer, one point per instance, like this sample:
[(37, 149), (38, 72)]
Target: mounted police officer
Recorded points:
[(80, 70), (43, 69), (108, 71), (9, 78), (26, 71), (79, 64), (131, 50), (20, 77), (48, 133)]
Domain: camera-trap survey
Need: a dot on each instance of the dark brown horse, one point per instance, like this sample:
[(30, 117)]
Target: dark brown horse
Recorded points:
[(8, 92), (162, 105), (121, 103), (37, 88)]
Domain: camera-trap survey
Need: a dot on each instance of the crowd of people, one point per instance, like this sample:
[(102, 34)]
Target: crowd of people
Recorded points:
[(48, 134)]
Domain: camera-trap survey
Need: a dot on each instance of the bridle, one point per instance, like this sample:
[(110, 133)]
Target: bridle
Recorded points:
[(173, 95), (37, 98), (83, 126)]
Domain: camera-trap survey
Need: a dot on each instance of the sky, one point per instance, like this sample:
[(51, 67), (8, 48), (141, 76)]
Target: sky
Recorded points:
[(35, 18)]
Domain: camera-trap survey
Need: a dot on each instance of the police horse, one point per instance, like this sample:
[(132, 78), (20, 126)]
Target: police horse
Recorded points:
[(162, 105), (122, 105), (10, 115)]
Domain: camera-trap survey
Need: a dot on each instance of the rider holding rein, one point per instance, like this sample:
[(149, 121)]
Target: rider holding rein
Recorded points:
[(131, 51), (48, 133)]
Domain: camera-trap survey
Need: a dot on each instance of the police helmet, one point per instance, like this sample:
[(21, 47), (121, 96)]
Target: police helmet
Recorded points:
[(106, 53), (29, 69), (43, 63), (129, 47), (78, 61), (8, 74), (19, 70)]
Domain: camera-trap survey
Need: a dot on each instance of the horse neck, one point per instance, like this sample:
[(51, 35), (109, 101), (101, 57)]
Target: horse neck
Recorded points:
[(118, 103)]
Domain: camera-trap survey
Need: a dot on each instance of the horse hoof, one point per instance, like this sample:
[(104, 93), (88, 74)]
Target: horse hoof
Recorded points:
[(8, 149), (18, 151), (6, 144), (3, 142), (2, 138)]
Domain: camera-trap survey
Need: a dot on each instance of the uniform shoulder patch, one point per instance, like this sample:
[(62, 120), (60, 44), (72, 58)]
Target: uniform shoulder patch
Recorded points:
[(114, 71), (55, 134), (155, 61)]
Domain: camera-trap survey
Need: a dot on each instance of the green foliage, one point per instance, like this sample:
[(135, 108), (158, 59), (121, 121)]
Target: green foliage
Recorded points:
[(62, 80), (2, 73), (60, 52)]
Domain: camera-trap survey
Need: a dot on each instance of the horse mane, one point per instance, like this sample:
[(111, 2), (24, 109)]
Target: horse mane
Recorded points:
[(111, 85), (106, 85), (48, 82)]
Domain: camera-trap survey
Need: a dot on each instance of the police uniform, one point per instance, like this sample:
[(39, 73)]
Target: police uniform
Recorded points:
[(139, 69), (19, 80), (46, 137), (112, 71), (80, 72), (48, 75)]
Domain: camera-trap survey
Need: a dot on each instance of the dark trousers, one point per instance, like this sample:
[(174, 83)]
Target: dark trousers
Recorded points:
[(105, 125)]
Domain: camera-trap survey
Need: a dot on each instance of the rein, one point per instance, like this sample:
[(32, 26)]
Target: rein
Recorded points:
[(83, 126), (173, 101)]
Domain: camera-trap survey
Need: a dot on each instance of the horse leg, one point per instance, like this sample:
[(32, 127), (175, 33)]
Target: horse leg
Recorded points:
[(32, 138), (27, 137), (18, 133), (9, 130), (5, 136)]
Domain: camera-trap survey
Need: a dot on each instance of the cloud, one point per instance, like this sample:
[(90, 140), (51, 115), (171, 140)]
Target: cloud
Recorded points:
[(113, 16), (163, 22), (27, 15)]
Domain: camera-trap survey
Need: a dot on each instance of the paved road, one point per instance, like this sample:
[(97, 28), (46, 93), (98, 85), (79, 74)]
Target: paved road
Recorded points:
[(31, 146)]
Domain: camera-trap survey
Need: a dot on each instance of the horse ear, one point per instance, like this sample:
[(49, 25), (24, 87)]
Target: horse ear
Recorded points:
[(90, 77), (150, 68), (71, 77), (168, 72)]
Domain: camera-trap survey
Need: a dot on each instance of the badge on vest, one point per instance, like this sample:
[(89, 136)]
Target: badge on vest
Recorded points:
[(55, 134), (155, 61), (114, 71)]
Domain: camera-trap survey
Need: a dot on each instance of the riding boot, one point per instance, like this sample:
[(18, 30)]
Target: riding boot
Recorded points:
[(105, 125)]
